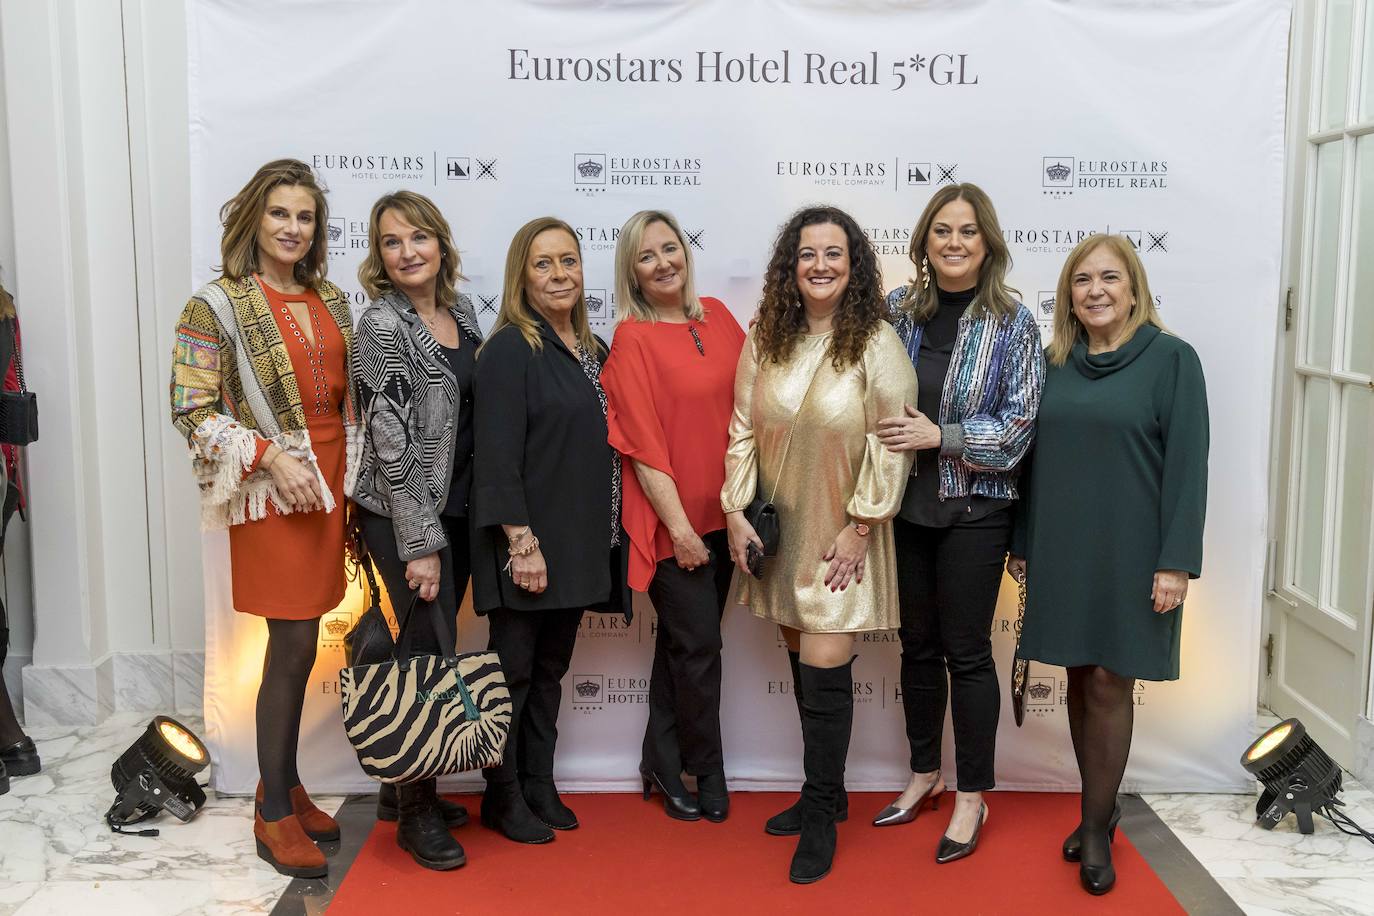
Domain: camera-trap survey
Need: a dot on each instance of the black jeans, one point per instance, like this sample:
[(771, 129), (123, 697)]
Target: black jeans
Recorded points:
[(536, 648), (947, 580), (455, 565), (684, 690)]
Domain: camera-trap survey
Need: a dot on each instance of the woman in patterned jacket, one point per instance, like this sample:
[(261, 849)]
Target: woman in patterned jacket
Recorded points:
[(417, 345), (261, 391), (980, 371)]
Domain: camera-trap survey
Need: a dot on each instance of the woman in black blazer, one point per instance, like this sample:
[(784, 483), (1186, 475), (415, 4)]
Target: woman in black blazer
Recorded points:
[(413, 364), (545, 510)]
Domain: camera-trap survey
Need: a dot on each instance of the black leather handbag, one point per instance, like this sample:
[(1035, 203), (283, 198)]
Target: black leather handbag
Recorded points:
[(18, 409), (370, 640)]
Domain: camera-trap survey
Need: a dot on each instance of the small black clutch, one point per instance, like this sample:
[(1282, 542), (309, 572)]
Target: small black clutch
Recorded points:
[(18, 417), (763, 516)]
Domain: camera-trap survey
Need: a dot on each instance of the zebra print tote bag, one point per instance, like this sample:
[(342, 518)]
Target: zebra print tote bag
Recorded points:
[(415, 718)]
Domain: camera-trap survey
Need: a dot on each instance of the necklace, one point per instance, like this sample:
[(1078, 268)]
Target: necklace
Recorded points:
[(432, 325)]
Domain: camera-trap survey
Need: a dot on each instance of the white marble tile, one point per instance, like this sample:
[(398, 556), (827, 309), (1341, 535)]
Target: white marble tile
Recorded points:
[(1301, 896), (61, 696), (155, 897), (14, 893), (188, 682), (143, 682), (1364, 750)]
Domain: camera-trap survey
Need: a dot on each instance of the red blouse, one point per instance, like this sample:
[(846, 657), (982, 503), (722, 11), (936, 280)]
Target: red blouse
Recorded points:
[(669, 407)]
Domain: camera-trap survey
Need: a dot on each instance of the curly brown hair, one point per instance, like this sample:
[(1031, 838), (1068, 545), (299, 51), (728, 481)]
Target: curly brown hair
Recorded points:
[(782, 320)]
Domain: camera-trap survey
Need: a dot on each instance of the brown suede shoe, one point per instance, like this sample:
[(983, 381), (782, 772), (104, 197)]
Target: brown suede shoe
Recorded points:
[(317, 825), (284, 845)]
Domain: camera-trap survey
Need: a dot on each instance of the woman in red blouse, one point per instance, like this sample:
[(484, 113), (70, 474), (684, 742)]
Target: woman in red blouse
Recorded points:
[(669, 382)]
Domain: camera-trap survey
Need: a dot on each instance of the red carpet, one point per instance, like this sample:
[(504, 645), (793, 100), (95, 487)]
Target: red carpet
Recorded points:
[(629, 857)]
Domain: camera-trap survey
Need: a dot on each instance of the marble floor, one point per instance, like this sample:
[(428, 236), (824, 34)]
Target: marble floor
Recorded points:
[(58, 857)]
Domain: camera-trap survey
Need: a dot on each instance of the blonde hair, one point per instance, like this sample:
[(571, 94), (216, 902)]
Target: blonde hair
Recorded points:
[(242, 214), (993, 296), (515, 305), (1067, 329), (629, 299), (420, 212)]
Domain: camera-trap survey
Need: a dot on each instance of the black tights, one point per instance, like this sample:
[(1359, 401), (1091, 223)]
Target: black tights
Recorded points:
[(285, 672), (1101, 716)]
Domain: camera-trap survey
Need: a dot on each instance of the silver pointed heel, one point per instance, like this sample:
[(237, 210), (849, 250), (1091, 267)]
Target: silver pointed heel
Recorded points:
[(892, 815)]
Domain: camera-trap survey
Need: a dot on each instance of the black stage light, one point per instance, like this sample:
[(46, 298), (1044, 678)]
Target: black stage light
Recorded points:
[(157, 772), (1298, 778)]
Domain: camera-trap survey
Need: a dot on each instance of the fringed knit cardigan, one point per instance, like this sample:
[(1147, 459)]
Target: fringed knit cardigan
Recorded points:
[(234, 391)]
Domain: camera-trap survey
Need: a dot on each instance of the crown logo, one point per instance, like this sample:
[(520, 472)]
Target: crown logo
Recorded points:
[(336, 627), (335, 232), (587, 688), (1058, 172), (594, 303), (589, 168), (1039, 691)]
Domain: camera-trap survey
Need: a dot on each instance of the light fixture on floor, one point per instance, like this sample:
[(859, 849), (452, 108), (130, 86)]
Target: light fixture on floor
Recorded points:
[(157, 772), (1298, 778)]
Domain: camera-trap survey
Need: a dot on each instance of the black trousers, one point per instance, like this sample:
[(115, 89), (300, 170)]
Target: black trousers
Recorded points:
[(683, 732), (947, 580), (536, 648), (455, 566)]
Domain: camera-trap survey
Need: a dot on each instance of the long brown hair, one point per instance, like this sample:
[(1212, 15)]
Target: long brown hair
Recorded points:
[(782, 320), (993, 296), (1067, 328), (420, 212), (242, 214), (515, 305)]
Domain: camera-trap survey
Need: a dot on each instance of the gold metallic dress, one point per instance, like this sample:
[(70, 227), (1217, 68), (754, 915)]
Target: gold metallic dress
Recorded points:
[(836, 471)]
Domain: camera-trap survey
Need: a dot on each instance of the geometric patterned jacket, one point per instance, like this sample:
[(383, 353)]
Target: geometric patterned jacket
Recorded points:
[(233, 387), (410, 403), (990, 399)]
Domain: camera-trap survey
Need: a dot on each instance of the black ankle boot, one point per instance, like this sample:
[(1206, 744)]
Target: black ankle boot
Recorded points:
[(21, 758), (421, 831), (713, 797), (542, 797), (788, 821), (505, 811), (454, 814), (827, 720)]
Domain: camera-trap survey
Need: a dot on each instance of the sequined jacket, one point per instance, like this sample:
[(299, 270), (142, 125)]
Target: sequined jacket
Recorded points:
[(991, 395)]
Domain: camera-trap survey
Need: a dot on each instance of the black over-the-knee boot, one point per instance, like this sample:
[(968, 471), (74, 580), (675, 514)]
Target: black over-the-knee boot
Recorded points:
[(788, 822), (827, 719)]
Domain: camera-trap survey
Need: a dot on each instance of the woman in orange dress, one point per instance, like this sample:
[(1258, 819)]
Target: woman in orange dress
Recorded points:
[(260, 389)]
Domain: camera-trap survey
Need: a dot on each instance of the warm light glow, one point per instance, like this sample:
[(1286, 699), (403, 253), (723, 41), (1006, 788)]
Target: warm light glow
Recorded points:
[(181, 741), (1271, 739)]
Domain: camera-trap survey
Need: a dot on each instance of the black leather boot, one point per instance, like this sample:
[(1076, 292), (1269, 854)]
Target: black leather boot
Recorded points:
[(454, 814), (504, 810), (542, 797), (4, 779), (421, 831), (787, 822), (827, 720), (713, 798), (21, 758), (677, 801)]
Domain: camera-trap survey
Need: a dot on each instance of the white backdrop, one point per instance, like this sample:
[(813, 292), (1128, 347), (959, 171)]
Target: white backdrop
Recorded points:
[(1163, 121)]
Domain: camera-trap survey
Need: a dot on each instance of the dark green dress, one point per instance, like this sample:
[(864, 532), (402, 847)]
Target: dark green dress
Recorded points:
[(1117, 490)]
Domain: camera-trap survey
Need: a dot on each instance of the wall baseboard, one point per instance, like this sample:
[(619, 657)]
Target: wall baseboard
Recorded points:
[(158, 682)]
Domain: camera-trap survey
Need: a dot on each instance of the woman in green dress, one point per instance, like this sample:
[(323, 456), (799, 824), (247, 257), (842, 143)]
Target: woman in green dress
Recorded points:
[(1110, 530)]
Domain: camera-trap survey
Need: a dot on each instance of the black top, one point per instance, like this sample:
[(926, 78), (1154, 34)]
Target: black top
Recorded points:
[(461, 361), (541, 459), (921, 504)]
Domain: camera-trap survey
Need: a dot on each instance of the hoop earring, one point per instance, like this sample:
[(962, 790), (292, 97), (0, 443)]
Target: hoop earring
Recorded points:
[(925, 272)]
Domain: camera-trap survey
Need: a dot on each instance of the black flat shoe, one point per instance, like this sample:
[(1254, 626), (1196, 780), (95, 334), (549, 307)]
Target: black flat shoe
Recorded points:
[(21, 758), (1073, 844), (681, 807), (542, 797), (454, 814), (950, 851), (712, 797)]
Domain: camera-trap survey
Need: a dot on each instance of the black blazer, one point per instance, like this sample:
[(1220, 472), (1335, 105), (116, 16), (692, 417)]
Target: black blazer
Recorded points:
[(541, 459)]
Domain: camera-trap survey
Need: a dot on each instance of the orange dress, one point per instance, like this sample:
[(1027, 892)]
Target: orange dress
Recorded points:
[(291, 567)]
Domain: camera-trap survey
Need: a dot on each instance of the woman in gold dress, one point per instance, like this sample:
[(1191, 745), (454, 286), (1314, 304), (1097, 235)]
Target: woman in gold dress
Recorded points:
[(820, 367)]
